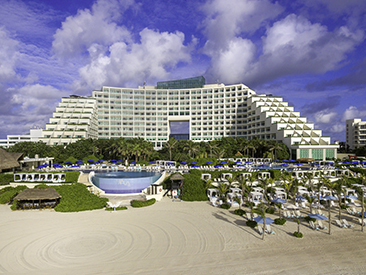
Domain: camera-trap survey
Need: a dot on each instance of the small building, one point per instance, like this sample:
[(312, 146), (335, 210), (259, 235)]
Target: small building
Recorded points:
[(9, 161), (37, 198)]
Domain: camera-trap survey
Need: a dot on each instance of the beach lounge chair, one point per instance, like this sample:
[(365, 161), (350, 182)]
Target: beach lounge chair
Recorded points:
[(313, 226), (289, 215), (320, 212), (298, 214), (345, 222), (360, 221), (269, 229), (353, 209), (260, 229), (321, 226), (248, 216), (303, 205), (349, 211), (341, 225)]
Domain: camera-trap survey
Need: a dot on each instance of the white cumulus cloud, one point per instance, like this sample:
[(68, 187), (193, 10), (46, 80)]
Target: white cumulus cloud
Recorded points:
[(8, 56), (324, 116), (353, 112)]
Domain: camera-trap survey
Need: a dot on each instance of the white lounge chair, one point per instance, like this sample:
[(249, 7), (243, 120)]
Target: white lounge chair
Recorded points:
[(269, 229), (313, 226), (260, 229), (298, 214), (360, 221), (321, 226), (341, 225), (345, 222)]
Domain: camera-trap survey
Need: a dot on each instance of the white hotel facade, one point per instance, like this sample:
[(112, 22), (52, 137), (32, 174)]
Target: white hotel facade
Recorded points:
[(210, 112)]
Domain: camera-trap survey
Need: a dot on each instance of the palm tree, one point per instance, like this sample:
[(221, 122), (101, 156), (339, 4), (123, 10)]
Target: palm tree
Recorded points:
[(261, 211), (223, 188), (219, 153), (191, 148), (336, 187), (170, 145), (212, 145), (274, 148)]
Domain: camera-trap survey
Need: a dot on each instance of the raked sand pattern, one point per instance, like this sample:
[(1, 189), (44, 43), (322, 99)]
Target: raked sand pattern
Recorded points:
[(169, 238)]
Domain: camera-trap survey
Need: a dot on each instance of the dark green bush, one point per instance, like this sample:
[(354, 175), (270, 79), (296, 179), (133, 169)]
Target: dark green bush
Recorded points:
[(308, 219), (239, 212), (270, 210), (298, 234), (344, 207), (280, 221), (72, 176), (76, 197), (6, 178), (225, 206), (251, 224), (8, 193), (193, 187), (117, 208), (14, 205), (249, 204), (137, 203)]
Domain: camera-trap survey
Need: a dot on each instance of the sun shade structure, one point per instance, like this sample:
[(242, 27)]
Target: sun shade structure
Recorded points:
[(9, 160), (37, 198)]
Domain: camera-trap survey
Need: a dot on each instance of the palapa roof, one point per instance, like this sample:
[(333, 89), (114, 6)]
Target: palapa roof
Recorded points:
[(9, 160), (177, 177), (38, 194)]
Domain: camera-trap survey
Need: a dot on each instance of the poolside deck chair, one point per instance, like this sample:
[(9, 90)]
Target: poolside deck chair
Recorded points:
[(345, 222), (298, 214), (320, 212), (313, 226), (341, 225), (269, 229), (321, 226), (360, 221), (260, 229)]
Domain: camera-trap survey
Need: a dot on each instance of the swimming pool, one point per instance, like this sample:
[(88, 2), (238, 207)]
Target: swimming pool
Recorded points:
[(124, 182)]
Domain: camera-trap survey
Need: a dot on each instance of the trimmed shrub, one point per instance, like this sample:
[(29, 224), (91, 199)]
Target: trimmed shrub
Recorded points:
[(308, 219), (193, 187), (137, 203), (270, 210), (72, 176), (8, 193), (298, 234), (239, 212), (76, 197), (225, 206), (14, 205), (117, 208), (251, 224), (280, 221), (6, 178)]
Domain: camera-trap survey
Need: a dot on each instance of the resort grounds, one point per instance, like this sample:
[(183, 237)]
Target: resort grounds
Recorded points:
[(172, 237)]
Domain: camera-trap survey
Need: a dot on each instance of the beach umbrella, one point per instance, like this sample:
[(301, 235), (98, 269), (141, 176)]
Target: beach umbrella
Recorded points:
[(56, 163), (248, 161), (68, 161), (151, 162), (209, 162), (113, 160), (217, 166), (101, 160), (329, 197), (318, 217), (184, 163), (300, 198), (279, 200), (133, 162), (223, 162), (314, 163), (263, 165), (329, 163), (284, 165), (90, 160), (171, 163), (351, 197), (40, 167), (259, 219), (195, 166), (57, 166), (293, 160), (299, 164), (285, 160), (194, 162), (240, 165), (238, 162), (276, 160), (119, 161)]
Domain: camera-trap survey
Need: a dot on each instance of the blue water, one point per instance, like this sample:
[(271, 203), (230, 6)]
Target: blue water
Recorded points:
[(124, 182)]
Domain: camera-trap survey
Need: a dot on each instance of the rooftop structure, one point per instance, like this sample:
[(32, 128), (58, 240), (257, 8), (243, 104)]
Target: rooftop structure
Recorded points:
[(207, 113), (355, 133), (33, 136), (74, 118)]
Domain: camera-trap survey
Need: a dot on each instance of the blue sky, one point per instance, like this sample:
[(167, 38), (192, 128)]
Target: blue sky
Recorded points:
[(310, 52)]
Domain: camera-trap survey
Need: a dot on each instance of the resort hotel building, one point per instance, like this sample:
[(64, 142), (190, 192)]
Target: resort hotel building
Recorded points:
[(186, 109), (355, 133)]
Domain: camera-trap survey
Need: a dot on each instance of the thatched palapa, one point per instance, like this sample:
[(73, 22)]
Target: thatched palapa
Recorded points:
[(38, 194), (9, 160)]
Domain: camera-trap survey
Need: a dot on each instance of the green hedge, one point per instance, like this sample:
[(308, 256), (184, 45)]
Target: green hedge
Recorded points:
[(251, 224), (280, 221), (8, 193), (76, 197), (239, 212), (117, 208), (298, 234), (137, 203), (193, 187), (225, 206), (72, 176), (270, 210), (6, 178)]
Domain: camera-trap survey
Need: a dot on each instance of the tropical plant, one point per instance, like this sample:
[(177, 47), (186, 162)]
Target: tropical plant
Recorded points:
[(261, 211), (170, 145)]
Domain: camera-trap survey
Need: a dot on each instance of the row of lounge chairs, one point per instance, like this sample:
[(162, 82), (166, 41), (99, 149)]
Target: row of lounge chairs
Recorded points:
[(343, 223), (292, 214), (267, 229)]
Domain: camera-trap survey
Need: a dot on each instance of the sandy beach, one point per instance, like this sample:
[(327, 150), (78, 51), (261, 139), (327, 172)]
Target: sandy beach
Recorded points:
[(170, 238)]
